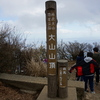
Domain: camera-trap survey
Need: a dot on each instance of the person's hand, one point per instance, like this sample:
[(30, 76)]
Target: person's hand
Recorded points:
[(69, 71)]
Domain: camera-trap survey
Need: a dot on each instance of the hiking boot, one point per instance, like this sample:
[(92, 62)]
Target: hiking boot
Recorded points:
[(93, 92), (87, 91)]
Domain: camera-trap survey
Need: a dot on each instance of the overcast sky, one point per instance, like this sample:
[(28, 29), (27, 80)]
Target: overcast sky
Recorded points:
[(78, 20)]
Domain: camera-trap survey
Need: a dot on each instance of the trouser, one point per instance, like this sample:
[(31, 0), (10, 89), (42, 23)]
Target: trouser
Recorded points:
[(91, 83), (97, 75)]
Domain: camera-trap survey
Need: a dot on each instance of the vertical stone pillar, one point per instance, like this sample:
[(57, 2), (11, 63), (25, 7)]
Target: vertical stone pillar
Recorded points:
[(51, 33), (62, 78)]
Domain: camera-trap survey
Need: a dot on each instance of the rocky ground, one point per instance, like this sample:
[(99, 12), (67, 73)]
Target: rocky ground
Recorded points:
[(96, 96)]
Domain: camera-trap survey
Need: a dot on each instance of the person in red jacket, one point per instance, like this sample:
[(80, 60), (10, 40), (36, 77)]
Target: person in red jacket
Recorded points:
[(86, 68), (78, 59)]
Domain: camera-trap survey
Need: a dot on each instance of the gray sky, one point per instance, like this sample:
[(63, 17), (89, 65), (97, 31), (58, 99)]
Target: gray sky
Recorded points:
[(78, 20)]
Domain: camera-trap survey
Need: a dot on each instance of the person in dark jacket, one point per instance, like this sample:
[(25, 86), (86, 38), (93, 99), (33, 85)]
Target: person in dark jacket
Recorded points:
[(86, 68), (79, 58), (96, 56)]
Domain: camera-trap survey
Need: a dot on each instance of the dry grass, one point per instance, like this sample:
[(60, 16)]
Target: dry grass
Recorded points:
[(38, 69)]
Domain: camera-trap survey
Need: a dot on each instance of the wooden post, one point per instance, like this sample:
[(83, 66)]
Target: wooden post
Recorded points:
[(51, 27), (62, 78)]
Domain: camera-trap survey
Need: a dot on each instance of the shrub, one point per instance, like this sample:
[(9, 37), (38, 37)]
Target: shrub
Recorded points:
[(38, 69)]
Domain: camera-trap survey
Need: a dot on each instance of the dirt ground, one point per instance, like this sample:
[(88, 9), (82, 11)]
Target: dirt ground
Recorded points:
[(12, 93)]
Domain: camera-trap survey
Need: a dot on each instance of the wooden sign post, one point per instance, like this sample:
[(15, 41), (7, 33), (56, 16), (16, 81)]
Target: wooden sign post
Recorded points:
[(62, 78), (51, 33)]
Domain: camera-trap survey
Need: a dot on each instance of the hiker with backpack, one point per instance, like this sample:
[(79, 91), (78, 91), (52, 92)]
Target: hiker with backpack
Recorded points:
[(86, 68)]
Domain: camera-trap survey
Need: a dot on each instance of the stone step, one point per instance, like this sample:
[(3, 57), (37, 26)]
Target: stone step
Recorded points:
[(72, 95)]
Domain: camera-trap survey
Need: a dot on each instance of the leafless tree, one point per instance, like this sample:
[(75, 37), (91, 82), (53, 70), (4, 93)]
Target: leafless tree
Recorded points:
[(61, 50), (10, 47), (95, 44), (74, 48)]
